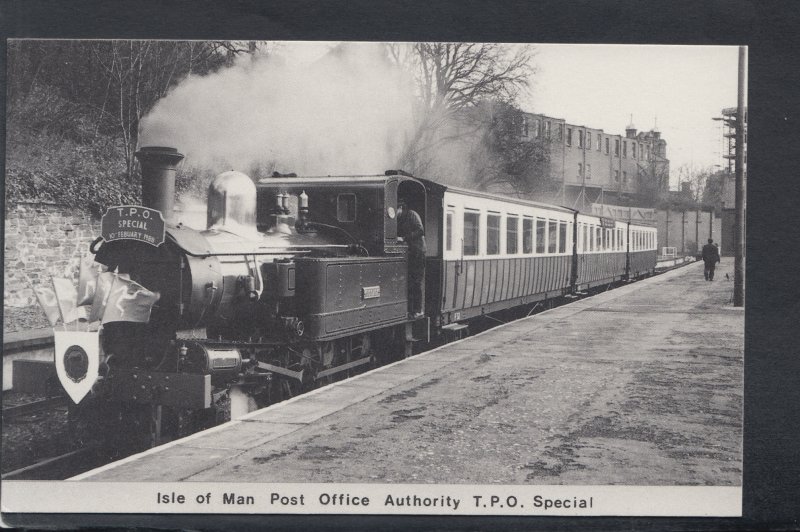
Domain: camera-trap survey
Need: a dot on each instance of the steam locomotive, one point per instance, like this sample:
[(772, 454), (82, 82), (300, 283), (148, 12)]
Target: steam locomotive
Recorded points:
[(300, 280)]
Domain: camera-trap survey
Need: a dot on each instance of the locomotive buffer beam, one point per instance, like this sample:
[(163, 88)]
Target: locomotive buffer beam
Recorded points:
[(182, 390)]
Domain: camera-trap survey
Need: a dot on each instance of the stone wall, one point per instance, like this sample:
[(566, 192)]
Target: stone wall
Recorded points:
[(43, 240)]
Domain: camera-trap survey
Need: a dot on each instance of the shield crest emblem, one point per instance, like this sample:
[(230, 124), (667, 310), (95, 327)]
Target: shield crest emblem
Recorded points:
[(77, 358)]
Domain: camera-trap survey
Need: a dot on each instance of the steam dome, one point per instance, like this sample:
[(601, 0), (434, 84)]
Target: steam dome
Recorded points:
[(232, 203)]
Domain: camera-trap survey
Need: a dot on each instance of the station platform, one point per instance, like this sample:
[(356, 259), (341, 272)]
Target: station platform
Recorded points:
[(640, 385)]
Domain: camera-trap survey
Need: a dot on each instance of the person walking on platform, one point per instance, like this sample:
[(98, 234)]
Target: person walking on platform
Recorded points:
[(410, 228), (710, 258)]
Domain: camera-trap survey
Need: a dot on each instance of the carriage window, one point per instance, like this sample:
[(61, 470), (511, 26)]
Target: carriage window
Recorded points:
[(562, 237), (493, 234), (598, 239), (580, 237), (512, 228), (471, 232), (541, 232), (609, 243), (346, 207), (587, 241), (449, 231), (552, 235), (527, 235)]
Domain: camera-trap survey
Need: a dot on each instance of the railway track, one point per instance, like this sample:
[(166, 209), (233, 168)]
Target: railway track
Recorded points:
[(11, 413), (59, 467)]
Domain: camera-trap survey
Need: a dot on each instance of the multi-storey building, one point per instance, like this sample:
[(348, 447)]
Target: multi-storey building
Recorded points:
[(593, 166)]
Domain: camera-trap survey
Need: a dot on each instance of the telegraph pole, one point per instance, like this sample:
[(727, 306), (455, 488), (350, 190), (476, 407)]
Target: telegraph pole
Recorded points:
[(738, 267)]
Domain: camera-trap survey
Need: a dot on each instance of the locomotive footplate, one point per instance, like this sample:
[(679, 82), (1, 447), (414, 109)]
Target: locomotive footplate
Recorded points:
[(182, 390)]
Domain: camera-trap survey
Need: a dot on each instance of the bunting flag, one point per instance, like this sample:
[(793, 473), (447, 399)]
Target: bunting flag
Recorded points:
[(101, 293), (129, 301), (87, 281), (49, 303), (66, 296)]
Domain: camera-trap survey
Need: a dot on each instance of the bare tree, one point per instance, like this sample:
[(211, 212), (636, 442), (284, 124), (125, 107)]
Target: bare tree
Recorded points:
[(502, 159), (83, 100), (452, 77)]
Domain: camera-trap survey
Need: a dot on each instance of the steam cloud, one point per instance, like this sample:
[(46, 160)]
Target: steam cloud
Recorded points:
[(347, 113)]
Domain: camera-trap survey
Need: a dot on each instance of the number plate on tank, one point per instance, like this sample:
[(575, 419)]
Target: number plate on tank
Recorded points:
[(370, 292)]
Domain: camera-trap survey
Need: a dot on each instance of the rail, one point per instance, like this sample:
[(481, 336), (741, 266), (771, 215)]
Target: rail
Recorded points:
[(12, 412)]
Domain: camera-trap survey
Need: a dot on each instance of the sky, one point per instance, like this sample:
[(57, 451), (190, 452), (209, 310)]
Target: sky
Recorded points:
[(678, 89)]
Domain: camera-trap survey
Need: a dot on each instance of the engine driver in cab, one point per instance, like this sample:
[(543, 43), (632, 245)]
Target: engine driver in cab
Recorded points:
[(411, 230)]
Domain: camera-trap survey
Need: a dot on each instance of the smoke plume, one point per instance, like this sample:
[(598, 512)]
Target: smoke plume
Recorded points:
[(347, 113)]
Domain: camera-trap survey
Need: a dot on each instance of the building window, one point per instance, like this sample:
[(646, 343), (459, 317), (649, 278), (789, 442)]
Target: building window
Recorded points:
[(606, 145), (560, 131), (588, 171), (633, 150), (524, 126), (537, 128), (541, 235), (569, 136), (547, 129), (599, 142), (471, 232), (624, 148), (588, 141), (616, 147), (580, 169), (512, 227), (527, 235), (449, 231), (346, 207), (624, 177), (493, 234), (580, 138), (616, 175)]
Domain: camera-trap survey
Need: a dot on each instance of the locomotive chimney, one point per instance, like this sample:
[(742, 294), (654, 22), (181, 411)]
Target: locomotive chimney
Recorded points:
[(158, 177)]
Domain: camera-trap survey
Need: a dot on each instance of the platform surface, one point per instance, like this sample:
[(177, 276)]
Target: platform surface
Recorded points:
[(641, 385)]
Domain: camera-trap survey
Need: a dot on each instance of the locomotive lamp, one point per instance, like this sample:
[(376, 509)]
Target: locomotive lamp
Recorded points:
[(302, 222)]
